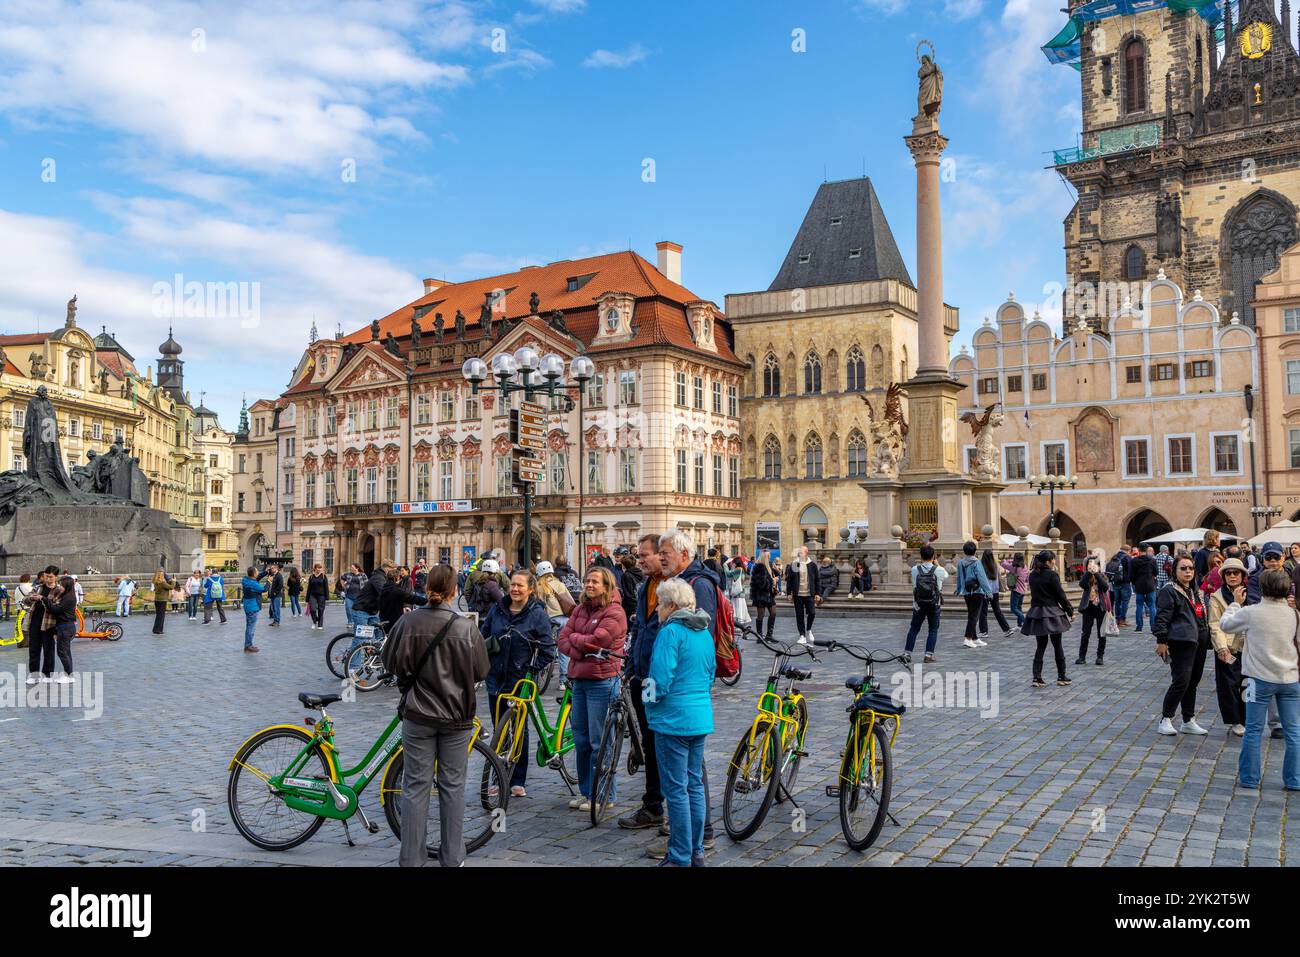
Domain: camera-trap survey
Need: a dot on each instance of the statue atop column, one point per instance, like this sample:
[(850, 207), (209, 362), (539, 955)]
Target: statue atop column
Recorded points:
[(929, 97), (986, 466)]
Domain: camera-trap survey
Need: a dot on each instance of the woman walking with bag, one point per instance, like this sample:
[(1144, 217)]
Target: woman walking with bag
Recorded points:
[(1092, 608), (994, 574), (1182, 630), (294, 588), (972, 585), (762, 592), (162, 589), (1048, 617), (318, 593), (1018, 580)]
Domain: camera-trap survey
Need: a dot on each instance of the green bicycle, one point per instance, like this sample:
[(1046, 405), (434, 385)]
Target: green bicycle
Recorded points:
[(286, 782), (523, 704)]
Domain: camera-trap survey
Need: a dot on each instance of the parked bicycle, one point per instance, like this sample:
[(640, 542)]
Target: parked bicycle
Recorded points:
[(286, 782), (620, 723), (341, 647), (523, 704), (867, 766), (766, 761)]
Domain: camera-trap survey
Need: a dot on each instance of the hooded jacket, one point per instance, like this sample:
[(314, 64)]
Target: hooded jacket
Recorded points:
[(367, 600), (443, 694), (514, 629), (590, 627), (705, 583), (647, 629), (678, 692), (393, 600), (252, 593)]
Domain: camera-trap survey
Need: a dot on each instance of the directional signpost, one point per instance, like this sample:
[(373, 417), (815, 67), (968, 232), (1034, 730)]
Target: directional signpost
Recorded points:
[(531, 442)]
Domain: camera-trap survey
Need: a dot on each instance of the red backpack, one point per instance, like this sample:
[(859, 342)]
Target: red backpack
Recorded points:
[(725, 648)]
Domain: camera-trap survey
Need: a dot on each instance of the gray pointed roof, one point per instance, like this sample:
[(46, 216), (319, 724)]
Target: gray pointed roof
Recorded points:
[(862, 226)]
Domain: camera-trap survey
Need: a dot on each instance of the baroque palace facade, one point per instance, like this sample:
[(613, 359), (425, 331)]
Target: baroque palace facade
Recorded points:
[(836, 326), (382, 417)]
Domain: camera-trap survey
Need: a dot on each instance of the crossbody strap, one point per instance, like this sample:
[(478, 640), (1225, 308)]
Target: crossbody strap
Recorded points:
[(424, 659)]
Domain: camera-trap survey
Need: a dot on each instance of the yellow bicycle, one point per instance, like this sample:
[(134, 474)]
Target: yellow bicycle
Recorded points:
[(518, 707), (17, 636), (766, 761)]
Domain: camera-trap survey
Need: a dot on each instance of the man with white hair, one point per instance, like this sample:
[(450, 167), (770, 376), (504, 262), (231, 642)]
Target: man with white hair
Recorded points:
[(678, 558)]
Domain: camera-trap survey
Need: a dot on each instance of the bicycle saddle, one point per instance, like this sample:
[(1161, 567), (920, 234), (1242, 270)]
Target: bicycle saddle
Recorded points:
[(855, 683), (310, 700)]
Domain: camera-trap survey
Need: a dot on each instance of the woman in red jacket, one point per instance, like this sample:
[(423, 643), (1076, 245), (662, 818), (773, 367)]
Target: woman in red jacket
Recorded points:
[(598, 622)]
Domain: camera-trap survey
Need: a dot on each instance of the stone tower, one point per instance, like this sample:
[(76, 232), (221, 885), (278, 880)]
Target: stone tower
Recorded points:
[(1189, 157)]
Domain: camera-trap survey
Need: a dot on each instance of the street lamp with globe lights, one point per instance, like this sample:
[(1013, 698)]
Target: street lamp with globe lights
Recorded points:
[(519, 372), (1051, 484)]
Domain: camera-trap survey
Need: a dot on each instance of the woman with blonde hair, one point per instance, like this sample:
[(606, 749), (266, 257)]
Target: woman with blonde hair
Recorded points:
[(597, 624), (162, 589)]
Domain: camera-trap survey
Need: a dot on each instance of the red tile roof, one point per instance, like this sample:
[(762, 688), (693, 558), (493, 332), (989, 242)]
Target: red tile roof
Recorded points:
[(10, 368), (112, 361), (27, 339)]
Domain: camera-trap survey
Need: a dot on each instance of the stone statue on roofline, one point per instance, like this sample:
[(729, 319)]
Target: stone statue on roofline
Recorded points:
[(437, 327), (416, 333), (460, 324)]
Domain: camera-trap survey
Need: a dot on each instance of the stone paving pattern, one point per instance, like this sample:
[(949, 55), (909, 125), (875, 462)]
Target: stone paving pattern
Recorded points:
[(1060, 777)]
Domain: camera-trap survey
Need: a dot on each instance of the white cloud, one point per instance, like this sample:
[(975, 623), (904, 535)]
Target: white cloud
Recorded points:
[(617, 59), (962, 9), (986, 202), (887, 7), (561, 6), (520, 59), (1015, 74), (291, 87)]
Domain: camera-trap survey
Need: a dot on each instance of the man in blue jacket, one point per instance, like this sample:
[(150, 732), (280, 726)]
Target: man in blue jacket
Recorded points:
[(253, 589), (646, 625), (214, 594), (678, 559)]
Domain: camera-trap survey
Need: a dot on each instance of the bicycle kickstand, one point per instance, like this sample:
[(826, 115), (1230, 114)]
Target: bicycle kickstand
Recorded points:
[(892, 819), (347, 833)]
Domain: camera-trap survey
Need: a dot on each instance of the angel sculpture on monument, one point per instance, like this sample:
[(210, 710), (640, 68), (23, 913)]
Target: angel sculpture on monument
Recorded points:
[(986, 465), (887, 433)]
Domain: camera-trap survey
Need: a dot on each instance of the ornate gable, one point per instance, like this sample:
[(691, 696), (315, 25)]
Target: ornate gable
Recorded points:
[(369, 371), (1258, 81)]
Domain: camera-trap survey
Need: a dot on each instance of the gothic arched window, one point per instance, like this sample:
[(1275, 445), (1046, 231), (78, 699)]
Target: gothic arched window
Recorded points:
[(1135, 77), (855, 376), (857, 454), (771, 458), (812, 456), (1256, 236), (1135, 263), (771, 376), (812, 373)]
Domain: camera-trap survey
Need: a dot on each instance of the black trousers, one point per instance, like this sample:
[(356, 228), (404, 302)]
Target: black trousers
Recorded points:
[(996, 604), (63, 635), (805, 610), (40, 650), (974, 611), (316, 605), (1041, 650), (1227, 687), (1187, 663), (1092, 616), (758, 619), (160, 615), (653, 799)]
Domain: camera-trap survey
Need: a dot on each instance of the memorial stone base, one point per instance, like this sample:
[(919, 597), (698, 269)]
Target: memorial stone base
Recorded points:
[(112, 539)]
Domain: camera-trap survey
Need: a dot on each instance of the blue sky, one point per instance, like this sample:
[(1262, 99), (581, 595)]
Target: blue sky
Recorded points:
[(216, 140)]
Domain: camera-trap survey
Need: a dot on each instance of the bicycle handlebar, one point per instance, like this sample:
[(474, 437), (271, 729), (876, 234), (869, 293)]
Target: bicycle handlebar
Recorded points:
[(789, 650), (856, 651)]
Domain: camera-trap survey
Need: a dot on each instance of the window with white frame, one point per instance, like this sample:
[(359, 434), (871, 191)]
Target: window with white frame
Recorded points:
[(503, 475), (1015, 462), (681, 470), (446, 480), (423, 409), (309, 490), (596, 390), (471, 477), (627, 470), (446, 406), (733, 477), (471, 407), (595, 471), (733, 402), (331, 419), (1056, 458), (372, 485), (1292, 441), (390, 413), (717, 474), (330, 491), (698, 392), (1227, 453), (559, 473), (1291, 320), (20, 418), (1180, 455), (1137, 457), (627, 387), (96, 431), (372, 414), (351, 489), (717, 397), (681, 394), (699, 473), (422, 481), (1293, 377)]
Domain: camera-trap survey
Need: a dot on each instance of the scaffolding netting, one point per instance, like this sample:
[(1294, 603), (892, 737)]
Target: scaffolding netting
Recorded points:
[(1066, 47)]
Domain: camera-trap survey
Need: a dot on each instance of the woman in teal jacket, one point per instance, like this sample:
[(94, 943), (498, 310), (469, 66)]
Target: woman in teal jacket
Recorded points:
[(679, 709), (253, 588)]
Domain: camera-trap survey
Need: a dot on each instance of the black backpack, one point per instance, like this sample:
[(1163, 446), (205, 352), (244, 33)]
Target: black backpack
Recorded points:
[(926, 591), (1115, 571)]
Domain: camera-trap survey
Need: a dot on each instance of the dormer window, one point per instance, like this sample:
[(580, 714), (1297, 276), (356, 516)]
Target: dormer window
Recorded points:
[(577, 282), (837, 220), (855, 252), (611, 320), (805, 258), (573, 285)]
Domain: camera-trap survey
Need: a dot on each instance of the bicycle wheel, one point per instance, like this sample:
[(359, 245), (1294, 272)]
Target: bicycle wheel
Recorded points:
[(259, 814), (751, 783), (864, 795), (112, 630), (486, 796), (605, 774), (364, 669), (544, 679), (790, 760), (731, 682), (503, 740), (337, 653)]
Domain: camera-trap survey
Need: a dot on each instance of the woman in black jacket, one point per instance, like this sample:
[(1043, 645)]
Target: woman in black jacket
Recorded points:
[(395, 598), (1182, 630), (1092, 608), (1049, 617), (628, 583), (762, 593), (61, 604), (318, 593), (294, 588)]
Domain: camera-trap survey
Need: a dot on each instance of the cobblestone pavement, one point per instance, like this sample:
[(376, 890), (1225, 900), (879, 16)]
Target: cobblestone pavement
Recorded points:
[(1058, 776)]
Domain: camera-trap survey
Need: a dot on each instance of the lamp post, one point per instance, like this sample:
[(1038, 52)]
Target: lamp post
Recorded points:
[(1267, 512), (1051, 484), (1248, 393), (518, 372)]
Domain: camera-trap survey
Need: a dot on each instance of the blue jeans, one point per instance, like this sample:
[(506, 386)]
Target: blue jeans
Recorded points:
[(1121, 603), (294, 606), (250, 626), (275, 609), (681, 778), (1257, 696), (1148, 602), (558, 623), (1017, 599), (347, 608), (929, 614), (591, 698), (191, 605)]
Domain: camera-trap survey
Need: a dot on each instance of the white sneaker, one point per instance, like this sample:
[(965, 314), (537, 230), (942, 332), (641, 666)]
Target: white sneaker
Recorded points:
[(1009, 633), (1239, 729), (811, 639), (577, 802), (64, 680), (803, 640), (1166, 727), (33, 680), (969, 644), (985, 635), (981, 643), (46, 679), (585, 805), (1191, 727)]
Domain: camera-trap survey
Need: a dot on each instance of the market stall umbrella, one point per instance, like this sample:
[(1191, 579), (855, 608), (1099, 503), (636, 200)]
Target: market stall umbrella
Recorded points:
[(1011, 541), (1284, 533), (1186, 536)]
